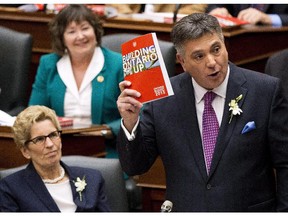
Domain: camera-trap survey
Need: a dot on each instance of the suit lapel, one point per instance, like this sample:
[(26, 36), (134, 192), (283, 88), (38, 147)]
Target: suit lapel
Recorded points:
[(35, 183), (76, 196), (98, 86), (189, 121), (234, 89)]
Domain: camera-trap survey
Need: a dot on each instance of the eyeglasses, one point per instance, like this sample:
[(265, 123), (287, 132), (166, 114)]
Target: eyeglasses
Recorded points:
[(40, 140)]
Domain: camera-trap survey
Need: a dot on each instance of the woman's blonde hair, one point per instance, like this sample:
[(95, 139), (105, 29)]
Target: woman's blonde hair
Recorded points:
[(29, 116)]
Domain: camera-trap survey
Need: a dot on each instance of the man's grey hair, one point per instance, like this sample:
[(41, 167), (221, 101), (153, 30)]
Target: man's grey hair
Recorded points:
[(192, 27)]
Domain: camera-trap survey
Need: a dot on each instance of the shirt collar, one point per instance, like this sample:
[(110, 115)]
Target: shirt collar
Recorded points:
[(221, 90), (65, 71)]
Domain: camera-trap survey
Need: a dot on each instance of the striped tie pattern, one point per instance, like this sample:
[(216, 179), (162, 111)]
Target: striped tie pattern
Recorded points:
[(210, 128)]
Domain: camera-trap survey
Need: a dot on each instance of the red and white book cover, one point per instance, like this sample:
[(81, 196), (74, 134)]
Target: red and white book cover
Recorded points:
[(144, 67), (65, 121)]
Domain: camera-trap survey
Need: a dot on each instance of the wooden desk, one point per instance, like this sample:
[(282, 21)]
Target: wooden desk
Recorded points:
[(153, 184), (251, 46), (75, 141)]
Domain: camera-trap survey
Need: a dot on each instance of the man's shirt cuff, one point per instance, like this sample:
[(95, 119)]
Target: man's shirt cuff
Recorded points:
[(129, 136), (276, 21)]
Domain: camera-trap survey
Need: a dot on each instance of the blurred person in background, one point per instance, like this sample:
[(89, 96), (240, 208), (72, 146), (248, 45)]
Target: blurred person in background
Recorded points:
[(138, 8), (266, 14)]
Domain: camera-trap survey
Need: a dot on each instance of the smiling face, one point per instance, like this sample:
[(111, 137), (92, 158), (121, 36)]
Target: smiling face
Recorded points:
[(80, 38), (206, 60), (43, 155)]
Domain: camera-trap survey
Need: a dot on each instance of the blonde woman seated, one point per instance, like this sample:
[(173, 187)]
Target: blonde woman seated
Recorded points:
[(47, 184)]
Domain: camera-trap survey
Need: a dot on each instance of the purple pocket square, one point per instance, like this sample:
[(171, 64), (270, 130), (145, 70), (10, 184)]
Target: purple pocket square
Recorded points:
[(249, 127)]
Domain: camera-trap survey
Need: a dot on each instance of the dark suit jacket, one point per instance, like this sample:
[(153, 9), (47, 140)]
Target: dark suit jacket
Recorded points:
[(241, 176), (25, 191), (234, 9), (277, 66)]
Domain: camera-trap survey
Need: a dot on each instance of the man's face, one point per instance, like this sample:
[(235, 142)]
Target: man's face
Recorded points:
[(206, 60)]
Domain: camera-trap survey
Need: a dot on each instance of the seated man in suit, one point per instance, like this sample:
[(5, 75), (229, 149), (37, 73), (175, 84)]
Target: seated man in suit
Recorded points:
[(266, 14), (220, 136)]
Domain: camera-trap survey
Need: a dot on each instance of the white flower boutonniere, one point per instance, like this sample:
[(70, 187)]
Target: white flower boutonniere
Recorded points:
[(80, 186), (234, 108)]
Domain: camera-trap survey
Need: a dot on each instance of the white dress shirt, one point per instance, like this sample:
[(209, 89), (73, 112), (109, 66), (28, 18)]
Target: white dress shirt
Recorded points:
[(77, 103), (62, 195)]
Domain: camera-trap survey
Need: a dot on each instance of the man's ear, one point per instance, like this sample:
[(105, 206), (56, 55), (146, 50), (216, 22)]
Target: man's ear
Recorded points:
[(181, 60), (25, 152)]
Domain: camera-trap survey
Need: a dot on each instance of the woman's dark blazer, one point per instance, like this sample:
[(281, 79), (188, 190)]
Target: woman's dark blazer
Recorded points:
[(24, 191)]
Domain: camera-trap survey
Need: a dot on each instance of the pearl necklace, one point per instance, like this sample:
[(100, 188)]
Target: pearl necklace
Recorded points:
[(55, 180)]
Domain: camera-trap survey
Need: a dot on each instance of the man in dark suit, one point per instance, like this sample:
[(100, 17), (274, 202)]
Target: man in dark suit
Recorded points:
[(267, 14), (251, 143)]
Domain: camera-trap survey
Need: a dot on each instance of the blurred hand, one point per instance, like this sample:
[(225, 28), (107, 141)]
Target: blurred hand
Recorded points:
[(128, 105), (28, 8), (220, 11), (254, 16)]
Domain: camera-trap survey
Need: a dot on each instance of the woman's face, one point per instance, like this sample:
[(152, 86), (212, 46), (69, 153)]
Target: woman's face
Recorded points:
[(44, 153), (80, 38)]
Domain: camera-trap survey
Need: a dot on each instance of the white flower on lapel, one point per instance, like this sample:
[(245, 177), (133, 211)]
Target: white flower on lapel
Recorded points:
[(234, 108), (80, 186)]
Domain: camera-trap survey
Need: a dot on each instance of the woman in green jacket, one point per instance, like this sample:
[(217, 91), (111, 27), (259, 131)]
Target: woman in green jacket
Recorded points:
[(80, 79)]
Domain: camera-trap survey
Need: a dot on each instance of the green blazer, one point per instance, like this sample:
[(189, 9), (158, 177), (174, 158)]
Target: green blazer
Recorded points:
[(49, 89)]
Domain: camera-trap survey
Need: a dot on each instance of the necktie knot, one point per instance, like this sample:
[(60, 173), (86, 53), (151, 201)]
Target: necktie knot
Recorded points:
[(209, 97)]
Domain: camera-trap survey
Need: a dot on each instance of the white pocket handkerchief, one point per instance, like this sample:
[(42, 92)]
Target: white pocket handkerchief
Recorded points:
[(248, 127)]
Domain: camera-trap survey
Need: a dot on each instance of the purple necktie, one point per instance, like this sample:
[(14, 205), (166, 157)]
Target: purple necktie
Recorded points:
[(210, 128)]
